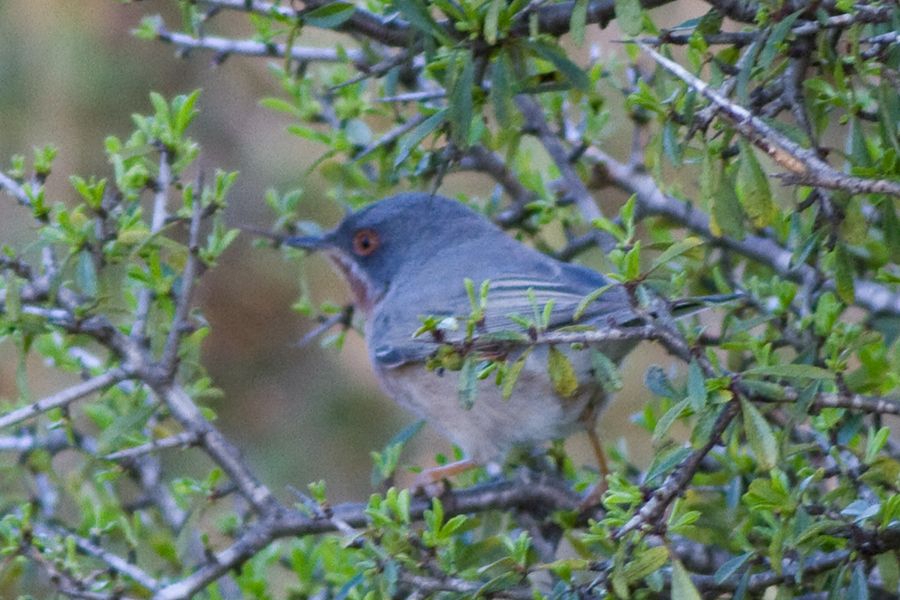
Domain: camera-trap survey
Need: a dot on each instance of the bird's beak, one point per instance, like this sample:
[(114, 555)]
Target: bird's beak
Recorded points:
[(307, 242)]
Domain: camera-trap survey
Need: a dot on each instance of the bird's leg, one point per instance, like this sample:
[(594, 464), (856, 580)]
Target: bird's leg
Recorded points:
[(595, 493), (599, 453), (425, 480)]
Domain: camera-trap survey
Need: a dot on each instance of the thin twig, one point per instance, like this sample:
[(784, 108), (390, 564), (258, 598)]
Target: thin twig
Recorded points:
[(66, 396), (182, 439)]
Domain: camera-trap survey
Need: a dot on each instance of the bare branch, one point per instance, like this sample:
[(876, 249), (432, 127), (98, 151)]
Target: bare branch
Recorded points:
[(226, 46), (64, 397), (158, 220), (182, 439), (169, 359), (14, 189)]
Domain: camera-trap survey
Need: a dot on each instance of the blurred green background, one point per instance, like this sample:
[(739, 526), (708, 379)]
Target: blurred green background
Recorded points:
[(71, 74)]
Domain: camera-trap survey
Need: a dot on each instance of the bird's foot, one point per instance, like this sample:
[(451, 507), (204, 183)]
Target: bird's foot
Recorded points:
[(433, 482)]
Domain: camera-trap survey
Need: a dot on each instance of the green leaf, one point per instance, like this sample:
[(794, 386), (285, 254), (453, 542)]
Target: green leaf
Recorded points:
[(86, 274), (468, 383), (859, 585), (752, 187), (578, 20), (414, 138), (605, 372), (790, 371), (629, 15), (731, 566), (512, 374), (682, 586), (552, 53), (646, 563), (664, 461), (759, 435), (778, 35), (417, 13), (330, 15), (889, 569), (675, 250), (502, 90), (667, 420), (843, 275), (632, 262), (696, 387), (460, 104), (562, 373), (490, 21), (726, 215), (588, 300)]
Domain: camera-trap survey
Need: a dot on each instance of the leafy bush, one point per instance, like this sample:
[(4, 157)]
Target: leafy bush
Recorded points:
[(788, 480)]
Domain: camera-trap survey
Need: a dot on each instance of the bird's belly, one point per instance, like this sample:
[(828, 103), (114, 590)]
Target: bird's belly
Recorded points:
[(487, 430)]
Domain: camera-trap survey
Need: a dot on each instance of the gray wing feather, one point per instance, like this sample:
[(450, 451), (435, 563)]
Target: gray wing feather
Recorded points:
[(508, 294)]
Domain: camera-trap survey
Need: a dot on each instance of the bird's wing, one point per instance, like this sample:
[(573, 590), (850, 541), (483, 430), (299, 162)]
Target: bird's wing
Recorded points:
[(511, 302)]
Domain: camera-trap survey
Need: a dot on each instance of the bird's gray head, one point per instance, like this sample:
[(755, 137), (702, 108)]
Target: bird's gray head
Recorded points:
[(372, 246)]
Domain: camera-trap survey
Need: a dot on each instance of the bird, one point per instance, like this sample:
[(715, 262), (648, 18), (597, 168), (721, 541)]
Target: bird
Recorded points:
[(407, 258)]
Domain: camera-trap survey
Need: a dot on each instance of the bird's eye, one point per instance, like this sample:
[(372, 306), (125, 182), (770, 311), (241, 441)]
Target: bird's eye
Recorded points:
[(365, 242)]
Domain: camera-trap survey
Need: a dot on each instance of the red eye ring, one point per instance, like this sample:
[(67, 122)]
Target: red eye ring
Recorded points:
[(365, 242)]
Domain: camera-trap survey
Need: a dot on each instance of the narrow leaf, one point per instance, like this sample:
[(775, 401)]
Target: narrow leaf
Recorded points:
[(468, 383), (731, 566), (502, 89), (696, 387), (629, 15), (460, 98), (843, 275), (752, 187), (588, 300), (330, 15), (667, 420), (646, 563), (490, 21), (512, 374), (578, 20), (555, 55), (759, 435), (727, 216), (415, 137), (562, 373), (682, 586), (790, 371), (675, 250)]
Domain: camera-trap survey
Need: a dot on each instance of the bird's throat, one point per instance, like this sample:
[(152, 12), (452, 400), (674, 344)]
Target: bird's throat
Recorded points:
[(364, 293)]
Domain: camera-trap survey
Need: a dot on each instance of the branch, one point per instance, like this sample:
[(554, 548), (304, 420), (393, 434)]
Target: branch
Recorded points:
[(540, 496), (478, 158), (63, 398), (651, 201), (573, 186), (113, 561), (678, 480), (182, 439), (392, 33), (805, 166), (794, 571), (14, 189), (225, 47)]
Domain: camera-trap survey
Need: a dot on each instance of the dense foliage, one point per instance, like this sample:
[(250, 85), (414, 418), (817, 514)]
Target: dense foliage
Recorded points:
[(765, 160)]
